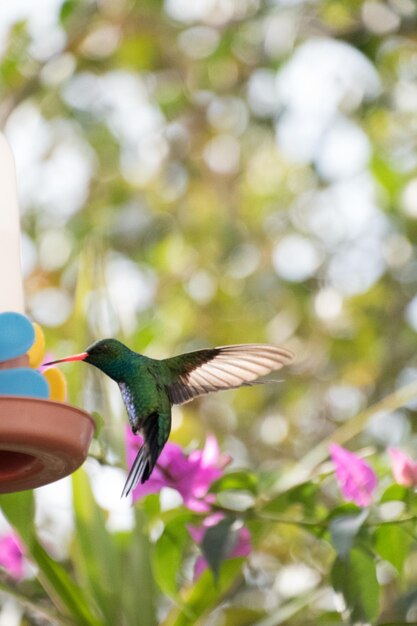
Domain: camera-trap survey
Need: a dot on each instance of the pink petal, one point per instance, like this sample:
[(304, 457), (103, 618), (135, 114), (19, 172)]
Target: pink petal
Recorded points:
[(356, 478), (404, 468), (198, 505), (243, 546), (224, 460), (211, 456), (213, 519), (192, 475), (203, 478), (197, 533), (11, 555), (211, 452), (200, 567)]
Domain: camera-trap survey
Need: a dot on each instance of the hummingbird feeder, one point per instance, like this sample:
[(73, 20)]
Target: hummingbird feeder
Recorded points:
[(42, 438)]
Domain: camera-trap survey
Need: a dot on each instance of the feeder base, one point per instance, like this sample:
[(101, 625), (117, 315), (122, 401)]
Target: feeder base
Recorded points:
[(40, 441)]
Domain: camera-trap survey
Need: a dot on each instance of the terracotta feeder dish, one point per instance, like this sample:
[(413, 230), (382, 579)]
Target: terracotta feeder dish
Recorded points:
[(40, 441), (42, 438)]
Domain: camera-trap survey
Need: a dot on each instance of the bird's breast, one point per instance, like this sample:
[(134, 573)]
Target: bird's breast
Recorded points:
[(129, 401), (141, 400)]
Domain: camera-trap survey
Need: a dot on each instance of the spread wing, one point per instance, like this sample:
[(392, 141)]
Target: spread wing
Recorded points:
[(226, 367)]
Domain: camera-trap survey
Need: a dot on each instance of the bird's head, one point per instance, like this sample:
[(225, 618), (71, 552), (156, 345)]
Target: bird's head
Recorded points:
[(109, 355)]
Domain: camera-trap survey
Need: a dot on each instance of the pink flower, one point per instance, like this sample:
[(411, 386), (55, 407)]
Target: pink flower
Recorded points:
[(240, 547), (192, 475), (356, 478), (11, 555), (403, 468)]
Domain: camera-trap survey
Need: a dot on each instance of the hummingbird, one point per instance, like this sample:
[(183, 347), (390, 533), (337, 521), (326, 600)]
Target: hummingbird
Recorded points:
[(149, 387)]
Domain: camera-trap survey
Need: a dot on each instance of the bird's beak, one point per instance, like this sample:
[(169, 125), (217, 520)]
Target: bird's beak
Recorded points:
[(74, 357)]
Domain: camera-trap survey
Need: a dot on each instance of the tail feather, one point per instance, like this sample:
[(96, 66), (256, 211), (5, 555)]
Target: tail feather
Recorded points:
[(139, 472), (155, 431)]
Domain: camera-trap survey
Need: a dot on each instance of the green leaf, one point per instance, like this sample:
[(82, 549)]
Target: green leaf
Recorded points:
[(343, 530), (304, 494), (46, 614), (241, 616), (68, 8), (168, 554), (203, 596), (138, 599), (237, 481), (99, 422), (347, 508), (328, 618), (151, 506), (19, 508), (355, 579), (96, 555), (64, 593), (217, 543), (392, 543), (395, 492)]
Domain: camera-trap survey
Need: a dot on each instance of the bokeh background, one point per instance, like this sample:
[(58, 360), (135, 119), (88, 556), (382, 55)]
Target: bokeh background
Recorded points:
[(199, 173)]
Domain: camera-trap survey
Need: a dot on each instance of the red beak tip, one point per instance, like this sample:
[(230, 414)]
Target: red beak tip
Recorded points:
[(68, 359)]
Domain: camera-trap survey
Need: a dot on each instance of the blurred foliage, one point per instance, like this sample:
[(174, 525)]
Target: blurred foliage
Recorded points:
[(225, 171)]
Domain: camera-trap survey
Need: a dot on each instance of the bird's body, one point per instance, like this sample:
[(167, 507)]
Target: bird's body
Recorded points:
[(150, 387)]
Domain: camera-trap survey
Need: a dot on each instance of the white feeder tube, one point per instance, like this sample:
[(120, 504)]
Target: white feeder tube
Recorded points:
[(11, 283)]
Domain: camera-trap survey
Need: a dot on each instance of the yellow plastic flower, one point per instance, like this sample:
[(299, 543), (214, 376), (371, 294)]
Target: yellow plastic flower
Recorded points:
[(57, 384), (36, 352), (54, 377)]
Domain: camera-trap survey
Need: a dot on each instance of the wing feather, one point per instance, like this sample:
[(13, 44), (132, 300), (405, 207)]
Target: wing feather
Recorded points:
[(226, 367)]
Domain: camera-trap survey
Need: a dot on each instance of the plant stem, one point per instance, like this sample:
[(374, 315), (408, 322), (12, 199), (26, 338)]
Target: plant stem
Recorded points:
[(305, 467)]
